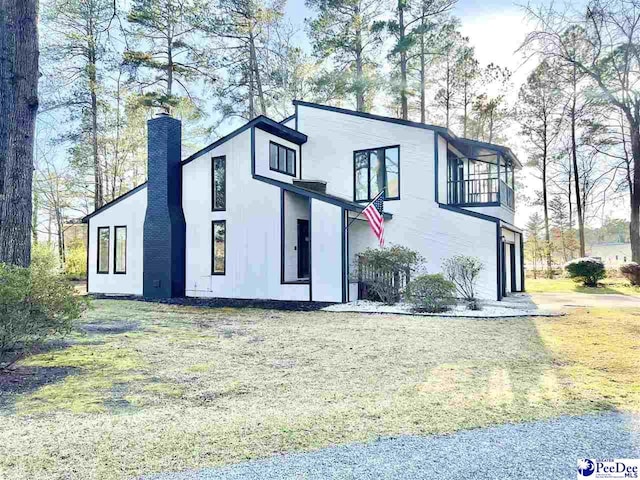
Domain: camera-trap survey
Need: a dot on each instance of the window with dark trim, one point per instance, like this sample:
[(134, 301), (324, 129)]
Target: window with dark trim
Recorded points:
[(219, 184), (282, 159), (218, 247), (120, 249), (103, 249), (375, 169)]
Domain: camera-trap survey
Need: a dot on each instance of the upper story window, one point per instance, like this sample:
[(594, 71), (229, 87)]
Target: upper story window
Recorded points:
[(103, 249), (219, 184), (374, 170), (120, 250), (282, 159)]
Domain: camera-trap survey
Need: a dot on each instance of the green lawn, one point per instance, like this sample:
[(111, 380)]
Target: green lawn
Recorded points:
[(152, 387), (566, 285)]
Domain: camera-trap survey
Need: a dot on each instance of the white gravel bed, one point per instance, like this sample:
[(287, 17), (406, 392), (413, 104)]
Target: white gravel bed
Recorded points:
[(488, 309)]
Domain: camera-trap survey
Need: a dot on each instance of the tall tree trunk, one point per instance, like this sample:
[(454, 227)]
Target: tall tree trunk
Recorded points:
[(256, 72), (359, 82), (423, 75), (169, 71), (404, 101), (448, 93), (570, 197), (545, 204), (574, 159), (252, 94), (634, 224), (34, 217), (18, 107)]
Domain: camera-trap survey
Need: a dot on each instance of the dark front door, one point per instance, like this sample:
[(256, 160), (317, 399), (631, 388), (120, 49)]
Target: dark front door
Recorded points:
[(303, 248)]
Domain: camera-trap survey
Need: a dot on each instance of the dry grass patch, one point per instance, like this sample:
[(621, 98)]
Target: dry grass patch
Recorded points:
[(567, 285), (201, 387)]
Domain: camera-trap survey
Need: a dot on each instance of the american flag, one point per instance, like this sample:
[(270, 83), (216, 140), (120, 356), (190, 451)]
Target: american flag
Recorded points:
[(373, 212)]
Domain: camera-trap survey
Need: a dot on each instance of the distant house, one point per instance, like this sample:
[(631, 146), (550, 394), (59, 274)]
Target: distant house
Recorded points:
[(269, 211), (613, 254)]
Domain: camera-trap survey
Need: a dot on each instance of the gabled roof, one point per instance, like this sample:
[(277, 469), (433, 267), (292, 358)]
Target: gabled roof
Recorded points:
[(459, 142), (114, 201), (261, 122)]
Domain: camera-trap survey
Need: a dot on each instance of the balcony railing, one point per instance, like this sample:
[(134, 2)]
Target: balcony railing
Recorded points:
[(506, 194), (480, 192)]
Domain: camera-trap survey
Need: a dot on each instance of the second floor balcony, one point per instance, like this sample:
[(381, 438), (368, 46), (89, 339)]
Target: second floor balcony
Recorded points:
[(480, 192), (480, 176)]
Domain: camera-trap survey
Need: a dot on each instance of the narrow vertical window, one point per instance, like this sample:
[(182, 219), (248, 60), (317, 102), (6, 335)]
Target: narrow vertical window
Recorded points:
[(273, 156), (362, 174), (120, 250), (218, 247), (392, 171), (219, 188), (103, 249)]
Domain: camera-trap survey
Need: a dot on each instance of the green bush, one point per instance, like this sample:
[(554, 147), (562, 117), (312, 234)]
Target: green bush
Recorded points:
[(463, 271), (631, 272), (586, 270), (35, 303), (381, 270), (75, 265), (431, 293)]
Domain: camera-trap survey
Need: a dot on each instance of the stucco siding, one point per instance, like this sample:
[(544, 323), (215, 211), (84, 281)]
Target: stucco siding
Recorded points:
[(129, 212)]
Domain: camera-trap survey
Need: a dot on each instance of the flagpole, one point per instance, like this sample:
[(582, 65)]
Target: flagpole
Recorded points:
[(360, 213)]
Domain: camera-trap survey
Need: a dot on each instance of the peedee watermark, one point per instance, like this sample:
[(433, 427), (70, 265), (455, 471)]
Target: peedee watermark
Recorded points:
[(590, 468)]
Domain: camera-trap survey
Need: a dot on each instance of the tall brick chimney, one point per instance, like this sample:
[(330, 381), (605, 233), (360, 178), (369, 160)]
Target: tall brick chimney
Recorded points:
[(164, 225)]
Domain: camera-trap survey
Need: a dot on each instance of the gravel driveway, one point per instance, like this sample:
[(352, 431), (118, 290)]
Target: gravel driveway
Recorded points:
[(545, 449)]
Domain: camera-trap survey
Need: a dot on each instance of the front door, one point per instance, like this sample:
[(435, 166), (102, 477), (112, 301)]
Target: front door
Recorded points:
[(303, 248)]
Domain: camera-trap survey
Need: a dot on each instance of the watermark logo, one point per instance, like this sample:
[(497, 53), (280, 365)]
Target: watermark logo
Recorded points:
[(609, 468), (585, 467)]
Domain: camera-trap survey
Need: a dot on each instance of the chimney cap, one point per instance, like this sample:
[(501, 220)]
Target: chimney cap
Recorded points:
[(163, 114)]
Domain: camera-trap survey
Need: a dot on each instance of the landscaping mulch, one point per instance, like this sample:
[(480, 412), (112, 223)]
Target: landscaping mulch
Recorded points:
[(294, 306)]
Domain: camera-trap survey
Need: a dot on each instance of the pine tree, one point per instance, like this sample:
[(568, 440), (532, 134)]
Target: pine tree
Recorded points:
[(348, 34), (168, 56), (539, 102), (18, 107), (76, 48), (409, 24)]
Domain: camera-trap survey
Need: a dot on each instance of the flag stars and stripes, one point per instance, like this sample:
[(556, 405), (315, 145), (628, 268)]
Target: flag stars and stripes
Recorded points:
[(373, 214)]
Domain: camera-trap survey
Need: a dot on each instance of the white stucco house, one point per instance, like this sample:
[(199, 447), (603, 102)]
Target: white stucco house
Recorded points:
[(265, 212)]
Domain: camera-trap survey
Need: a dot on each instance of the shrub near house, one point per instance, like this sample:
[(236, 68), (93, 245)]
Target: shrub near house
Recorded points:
[(586, 270), (631, 271), (383, 271), (463, 271), (35, 303), (431, 293)]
